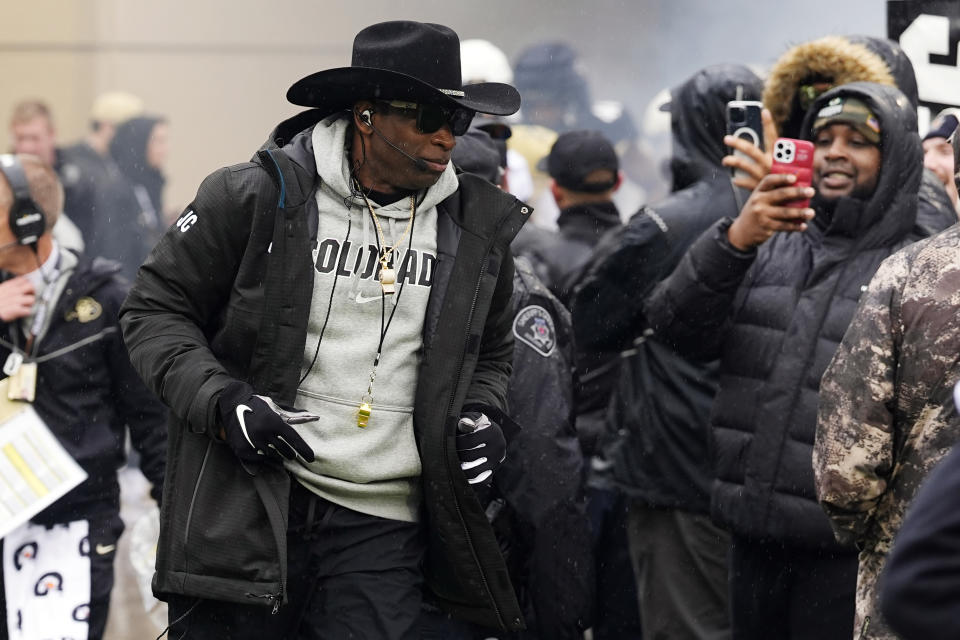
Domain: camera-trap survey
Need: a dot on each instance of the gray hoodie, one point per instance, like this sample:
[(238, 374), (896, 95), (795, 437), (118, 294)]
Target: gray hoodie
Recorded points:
[(375, 469)]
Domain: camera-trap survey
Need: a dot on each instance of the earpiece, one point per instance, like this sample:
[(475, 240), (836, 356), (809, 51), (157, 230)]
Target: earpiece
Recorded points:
[(367, 115)]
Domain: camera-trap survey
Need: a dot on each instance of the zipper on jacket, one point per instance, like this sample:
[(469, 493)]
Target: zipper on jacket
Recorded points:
[(275, 598), (456, 503), (193, 501)]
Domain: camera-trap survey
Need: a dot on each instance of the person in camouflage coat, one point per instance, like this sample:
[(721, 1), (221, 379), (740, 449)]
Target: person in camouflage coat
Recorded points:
[(886, 415)]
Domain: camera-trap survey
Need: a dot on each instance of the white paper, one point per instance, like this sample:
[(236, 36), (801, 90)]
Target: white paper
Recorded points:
[(35, 469)]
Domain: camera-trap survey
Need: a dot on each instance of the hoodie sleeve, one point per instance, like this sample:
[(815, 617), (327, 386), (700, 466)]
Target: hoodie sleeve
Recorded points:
[(853, 450)]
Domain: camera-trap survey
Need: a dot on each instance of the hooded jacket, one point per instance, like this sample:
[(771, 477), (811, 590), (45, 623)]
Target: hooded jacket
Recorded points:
[(662, 401), (226, 295), (841, 60), (128, 210), (775, 316)]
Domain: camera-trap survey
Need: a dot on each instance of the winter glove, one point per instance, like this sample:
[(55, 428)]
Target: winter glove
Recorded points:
[(481, 446), (255, 426)]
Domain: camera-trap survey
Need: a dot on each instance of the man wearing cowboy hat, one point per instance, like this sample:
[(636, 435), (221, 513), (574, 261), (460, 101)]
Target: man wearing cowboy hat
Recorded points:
[(348, 271)]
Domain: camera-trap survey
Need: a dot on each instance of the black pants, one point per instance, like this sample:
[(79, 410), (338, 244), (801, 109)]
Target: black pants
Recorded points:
[(350, 575), (617, 615), (680, 560), (790, 593)]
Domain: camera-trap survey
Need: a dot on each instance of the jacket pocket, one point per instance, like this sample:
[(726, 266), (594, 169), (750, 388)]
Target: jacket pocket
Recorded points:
[(230, 533)]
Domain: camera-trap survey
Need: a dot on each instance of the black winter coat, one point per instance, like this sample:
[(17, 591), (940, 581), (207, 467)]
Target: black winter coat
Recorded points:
[(89, 394), (775, 316), (920, 586), (662, 401), (226, 295), (556, 257)]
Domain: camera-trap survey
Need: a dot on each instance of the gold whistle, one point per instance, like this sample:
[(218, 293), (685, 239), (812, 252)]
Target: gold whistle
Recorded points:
[(363, 414), (388, 278)]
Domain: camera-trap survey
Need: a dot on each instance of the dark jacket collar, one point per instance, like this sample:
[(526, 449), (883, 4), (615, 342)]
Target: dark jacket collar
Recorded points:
[(589, 219)]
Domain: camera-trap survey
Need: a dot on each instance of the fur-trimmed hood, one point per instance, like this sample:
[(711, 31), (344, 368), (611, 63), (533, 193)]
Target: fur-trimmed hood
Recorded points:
[(835, 59)]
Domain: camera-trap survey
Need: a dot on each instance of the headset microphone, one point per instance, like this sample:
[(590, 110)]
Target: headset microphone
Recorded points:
[(419, 163)]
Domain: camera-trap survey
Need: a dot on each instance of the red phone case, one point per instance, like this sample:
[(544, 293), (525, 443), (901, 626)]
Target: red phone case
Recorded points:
[(796, 157)]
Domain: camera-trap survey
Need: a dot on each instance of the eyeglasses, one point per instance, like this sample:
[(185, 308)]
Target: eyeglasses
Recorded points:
[(431, 117)]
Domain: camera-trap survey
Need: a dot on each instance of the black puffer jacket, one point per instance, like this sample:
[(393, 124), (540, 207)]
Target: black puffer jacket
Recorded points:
[(226, 295), (775, 317), (662, 402)]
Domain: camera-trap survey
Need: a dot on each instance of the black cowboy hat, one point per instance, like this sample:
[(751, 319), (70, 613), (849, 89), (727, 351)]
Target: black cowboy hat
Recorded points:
[(403, 60)]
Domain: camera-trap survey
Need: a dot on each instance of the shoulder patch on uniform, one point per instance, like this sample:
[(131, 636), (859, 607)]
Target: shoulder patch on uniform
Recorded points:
[(533, 326)]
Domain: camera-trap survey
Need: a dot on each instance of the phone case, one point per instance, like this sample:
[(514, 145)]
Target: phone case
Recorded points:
[(744, 121), (796, 157)]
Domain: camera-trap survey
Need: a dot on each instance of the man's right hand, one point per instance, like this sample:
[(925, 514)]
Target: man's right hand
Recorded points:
[(16, 298), (765, 212), (255, 426)]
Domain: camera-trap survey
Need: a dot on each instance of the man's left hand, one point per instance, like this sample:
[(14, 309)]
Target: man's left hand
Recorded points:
[(481, 446)]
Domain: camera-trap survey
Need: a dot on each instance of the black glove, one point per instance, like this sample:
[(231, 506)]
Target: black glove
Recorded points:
[(481, 446), (256, 426)]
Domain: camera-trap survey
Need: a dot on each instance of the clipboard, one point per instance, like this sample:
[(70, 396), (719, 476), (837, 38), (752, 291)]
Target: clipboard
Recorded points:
[(35, 469)]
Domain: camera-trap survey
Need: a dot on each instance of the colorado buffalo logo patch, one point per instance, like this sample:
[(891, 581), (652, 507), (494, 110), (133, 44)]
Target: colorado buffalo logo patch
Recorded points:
[(534, 326)]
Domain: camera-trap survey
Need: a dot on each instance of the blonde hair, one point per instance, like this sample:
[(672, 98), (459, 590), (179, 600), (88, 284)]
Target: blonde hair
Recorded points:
[(45, 188), (26, 110)]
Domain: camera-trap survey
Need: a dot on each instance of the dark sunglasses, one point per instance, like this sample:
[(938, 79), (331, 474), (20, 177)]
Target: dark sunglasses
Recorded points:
[(431, 117)]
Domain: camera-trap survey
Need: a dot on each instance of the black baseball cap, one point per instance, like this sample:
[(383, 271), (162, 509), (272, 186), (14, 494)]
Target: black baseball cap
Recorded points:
[(577, 154), (943, 125)]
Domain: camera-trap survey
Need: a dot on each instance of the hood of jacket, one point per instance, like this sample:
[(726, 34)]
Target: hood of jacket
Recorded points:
[(832, 59), (897, 62), (698, 119), (890, 213), (129, 150)]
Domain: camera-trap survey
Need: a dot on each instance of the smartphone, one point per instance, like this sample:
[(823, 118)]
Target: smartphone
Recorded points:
[(796, 157), (744, 121)]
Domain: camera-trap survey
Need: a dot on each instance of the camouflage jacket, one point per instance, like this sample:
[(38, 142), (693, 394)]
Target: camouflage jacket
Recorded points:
[(886, 414)]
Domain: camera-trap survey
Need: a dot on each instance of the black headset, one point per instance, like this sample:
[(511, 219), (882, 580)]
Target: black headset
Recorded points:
[(27, 220)]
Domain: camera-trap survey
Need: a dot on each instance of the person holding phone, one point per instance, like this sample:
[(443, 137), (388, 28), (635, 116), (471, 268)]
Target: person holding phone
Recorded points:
[(656, 446), (770, 294), (806, 71)]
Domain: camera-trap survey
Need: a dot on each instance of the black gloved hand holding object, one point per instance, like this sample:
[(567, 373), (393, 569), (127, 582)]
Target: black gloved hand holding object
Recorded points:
[(481, 446), (256, 426)]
